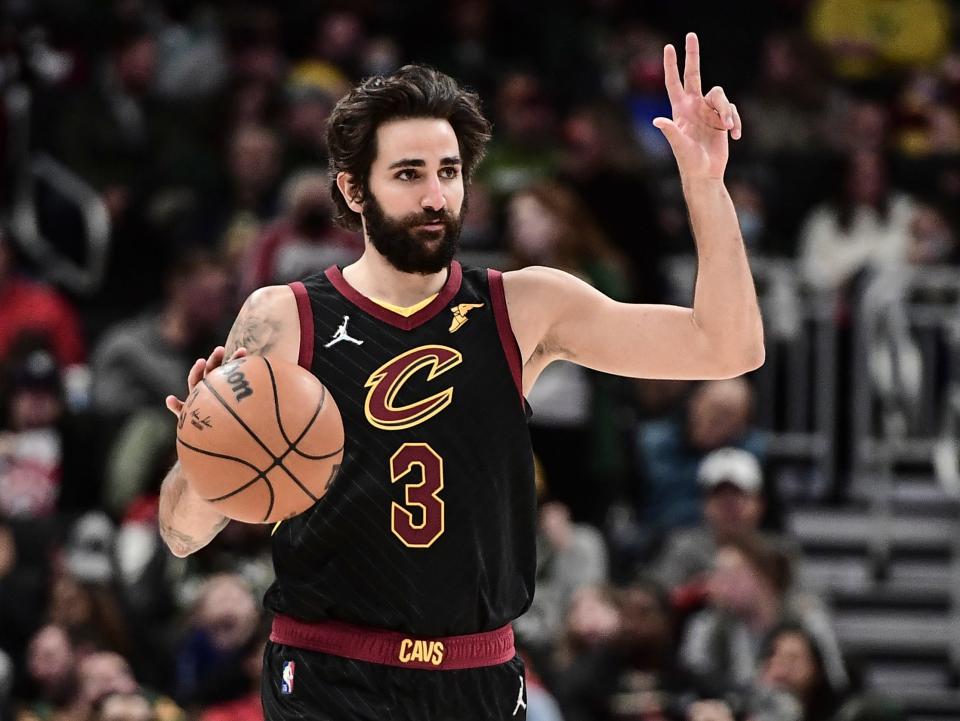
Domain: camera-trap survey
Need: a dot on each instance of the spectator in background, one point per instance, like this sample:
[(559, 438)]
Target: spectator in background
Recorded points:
[(589, 625), (733, 504), (107, 131), (932, 240), (749, 595), (90, 612), (574, 428), (669, 451), (31, 449), (253, 162), (23, 580), (470, 54), (304, 240), (211, 655), (569, 556), (253, 44), (340, 38), (311, 91), (602, 163), (34, 308), (926, 122), (859, 124), (792, 661), (103, 674), (644, 94), (524, 150), (479, 235), (188, 39), (635, 675), (139, 362), (51, 666), (46, 458), (787, 103), (247, 706), (751, 207), (123, 706), (866, 226)]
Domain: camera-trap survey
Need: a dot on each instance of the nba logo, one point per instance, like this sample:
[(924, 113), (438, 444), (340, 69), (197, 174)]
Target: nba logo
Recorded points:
[(286, 680)]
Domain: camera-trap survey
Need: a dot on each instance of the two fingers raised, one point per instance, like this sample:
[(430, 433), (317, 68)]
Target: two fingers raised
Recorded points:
[(718, 111)]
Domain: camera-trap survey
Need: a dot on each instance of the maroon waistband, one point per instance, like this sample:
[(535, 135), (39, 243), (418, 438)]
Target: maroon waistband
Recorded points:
[(392, 648)]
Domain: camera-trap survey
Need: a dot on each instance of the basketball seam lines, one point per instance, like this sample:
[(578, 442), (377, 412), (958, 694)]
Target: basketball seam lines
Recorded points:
[(291, 446), (316, 414), (238, 419), (261, 476), (277, 461)]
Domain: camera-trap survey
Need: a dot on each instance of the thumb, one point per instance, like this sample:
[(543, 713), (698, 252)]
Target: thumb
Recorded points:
[(669, 129)]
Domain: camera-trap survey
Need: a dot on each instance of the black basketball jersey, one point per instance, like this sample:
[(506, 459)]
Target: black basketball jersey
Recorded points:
[(429, 526)]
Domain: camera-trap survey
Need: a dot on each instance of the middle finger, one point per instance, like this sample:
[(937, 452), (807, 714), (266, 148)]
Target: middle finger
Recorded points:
[(691, 64)]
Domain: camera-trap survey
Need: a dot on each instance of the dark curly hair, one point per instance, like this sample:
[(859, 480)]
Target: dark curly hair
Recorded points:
[(413, 91)]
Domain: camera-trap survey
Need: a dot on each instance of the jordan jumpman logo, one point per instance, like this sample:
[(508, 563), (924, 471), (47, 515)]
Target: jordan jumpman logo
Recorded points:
[(521, 703), (341, 334)]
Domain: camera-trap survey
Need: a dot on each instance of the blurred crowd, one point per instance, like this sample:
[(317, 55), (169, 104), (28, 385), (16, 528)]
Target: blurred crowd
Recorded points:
[(162, 158)]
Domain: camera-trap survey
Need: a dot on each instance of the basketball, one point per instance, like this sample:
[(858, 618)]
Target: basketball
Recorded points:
[(260, 438)]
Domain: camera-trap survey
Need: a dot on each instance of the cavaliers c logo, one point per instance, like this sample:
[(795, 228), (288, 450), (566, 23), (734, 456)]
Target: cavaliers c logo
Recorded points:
[(387, 380)]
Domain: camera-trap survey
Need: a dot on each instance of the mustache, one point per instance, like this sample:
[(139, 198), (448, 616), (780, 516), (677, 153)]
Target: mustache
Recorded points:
[(429, 216)]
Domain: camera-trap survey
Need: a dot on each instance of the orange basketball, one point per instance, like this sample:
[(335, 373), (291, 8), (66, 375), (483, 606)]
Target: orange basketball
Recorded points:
[(260, 438)]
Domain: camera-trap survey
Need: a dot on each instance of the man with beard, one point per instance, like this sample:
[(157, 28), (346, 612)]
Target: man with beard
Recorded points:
[(395, 591)]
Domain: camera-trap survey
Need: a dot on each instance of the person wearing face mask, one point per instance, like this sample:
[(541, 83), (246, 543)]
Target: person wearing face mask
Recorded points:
[(304, 239)]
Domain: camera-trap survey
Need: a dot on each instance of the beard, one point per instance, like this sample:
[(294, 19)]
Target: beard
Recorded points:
[(408, 248)]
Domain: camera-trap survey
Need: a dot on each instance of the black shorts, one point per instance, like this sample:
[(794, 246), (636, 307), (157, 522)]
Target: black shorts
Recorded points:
[(300, 684)]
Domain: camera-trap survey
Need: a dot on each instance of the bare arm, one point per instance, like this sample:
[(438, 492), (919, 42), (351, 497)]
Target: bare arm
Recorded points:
[(556, 316), (187, 522), (267, 324)]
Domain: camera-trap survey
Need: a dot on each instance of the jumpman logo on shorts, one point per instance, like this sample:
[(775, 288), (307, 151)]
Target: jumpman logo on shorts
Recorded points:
[(520, 702), (341, 334)]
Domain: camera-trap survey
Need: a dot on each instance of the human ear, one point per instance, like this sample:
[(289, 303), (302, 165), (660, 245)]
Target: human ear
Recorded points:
[(349, 190)]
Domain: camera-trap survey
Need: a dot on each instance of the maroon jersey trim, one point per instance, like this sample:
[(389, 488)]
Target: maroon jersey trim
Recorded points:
[(306, 324), (392, 648), (511, 349), (446, 294)]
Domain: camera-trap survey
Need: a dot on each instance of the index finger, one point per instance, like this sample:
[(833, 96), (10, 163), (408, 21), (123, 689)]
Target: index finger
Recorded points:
[(691, 65), (671, 75)]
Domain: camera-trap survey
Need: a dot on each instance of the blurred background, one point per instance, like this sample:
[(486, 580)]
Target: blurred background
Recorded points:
[(787, 541)]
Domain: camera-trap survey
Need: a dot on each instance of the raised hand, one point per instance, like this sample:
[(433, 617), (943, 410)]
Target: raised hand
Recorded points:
[(199, 371), (698, 131)]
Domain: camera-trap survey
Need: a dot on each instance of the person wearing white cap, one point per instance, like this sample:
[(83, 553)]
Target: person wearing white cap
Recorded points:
[(732, 483)]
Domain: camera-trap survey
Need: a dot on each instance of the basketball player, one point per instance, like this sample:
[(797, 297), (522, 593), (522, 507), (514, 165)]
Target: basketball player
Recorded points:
[(394, 594)]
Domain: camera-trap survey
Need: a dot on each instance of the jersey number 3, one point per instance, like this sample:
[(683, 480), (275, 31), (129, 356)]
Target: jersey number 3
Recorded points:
[(420, 520)]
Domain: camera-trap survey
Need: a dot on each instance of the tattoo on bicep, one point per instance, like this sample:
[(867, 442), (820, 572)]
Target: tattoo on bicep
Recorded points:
[(254, 331)]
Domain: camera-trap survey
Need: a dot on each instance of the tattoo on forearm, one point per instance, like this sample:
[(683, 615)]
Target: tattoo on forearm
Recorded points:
[(179, 542), (184, 543), (252, 330)]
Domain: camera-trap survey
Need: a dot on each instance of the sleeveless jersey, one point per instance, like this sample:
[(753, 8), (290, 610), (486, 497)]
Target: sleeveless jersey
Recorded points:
[(429, 526)]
